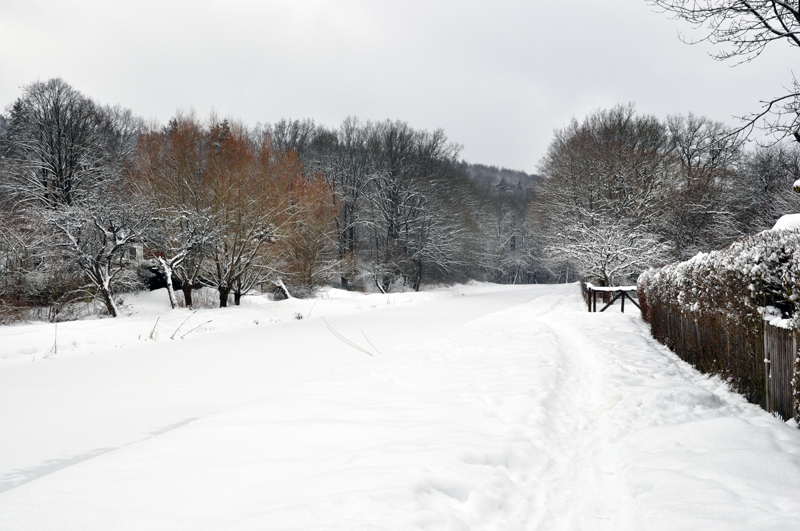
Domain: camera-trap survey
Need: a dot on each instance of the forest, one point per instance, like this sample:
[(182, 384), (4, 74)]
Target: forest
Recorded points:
[(96, 202)]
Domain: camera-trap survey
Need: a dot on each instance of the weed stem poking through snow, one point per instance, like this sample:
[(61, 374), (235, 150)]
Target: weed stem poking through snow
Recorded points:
[(347, 341), (54, 349), (154, 331), (370, 342), (183, 323), (195, 328)]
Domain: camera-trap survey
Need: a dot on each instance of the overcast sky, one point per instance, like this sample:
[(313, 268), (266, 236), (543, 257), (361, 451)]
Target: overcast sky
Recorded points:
[(498, 76)]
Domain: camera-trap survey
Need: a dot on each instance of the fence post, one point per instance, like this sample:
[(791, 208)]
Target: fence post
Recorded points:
[(794, 373), (767, 401)]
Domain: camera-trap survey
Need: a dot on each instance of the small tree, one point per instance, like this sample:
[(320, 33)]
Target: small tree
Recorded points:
[(171, 172), (308, 249), (97, 239), (607, 252), (249, 204)]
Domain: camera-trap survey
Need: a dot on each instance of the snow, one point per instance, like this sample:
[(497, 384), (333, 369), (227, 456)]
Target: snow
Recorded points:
[(610, 288), (484, 407), (787, 222)]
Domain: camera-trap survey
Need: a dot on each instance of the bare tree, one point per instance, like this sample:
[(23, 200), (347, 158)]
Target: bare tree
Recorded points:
[(507, 243), (60, 144), (604, 184), (344, 160), (23, 269), (613, 164), (407, 166), (401, 203), (439, 245), (182, 240), (249, 203), (63, 155), (743, 29), (97, 239), (607, 251), (308, 249), (170, 171), (764, 186), (293, 135), (703, 191)]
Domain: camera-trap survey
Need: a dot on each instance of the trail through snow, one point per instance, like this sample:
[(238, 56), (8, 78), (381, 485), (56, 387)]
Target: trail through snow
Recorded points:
[(483, 408)]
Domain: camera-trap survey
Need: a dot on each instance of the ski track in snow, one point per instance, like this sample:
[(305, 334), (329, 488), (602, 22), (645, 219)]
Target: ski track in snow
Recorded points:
[(527, 414)]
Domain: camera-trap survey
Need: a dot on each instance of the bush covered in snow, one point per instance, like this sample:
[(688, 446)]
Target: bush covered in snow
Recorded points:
[(710, 309), (736, 283)]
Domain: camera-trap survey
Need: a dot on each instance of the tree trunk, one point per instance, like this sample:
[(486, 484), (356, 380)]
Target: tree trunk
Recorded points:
[(186, 288), (417, 276), (384, 283), (224, 291), (237, 295), (170, 290), (280, 288), (110, 306)]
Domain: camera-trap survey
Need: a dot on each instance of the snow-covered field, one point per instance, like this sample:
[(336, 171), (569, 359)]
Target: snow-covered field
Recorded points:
[(482, 407)]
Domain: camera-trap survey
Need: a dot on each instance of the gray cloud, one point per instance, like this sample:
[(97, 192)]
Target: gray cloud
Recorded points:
[(497, 76)]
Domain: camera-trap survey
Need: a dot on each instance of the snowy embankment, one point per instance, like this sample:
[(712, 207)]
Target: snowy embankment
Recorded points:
[(483, 407)]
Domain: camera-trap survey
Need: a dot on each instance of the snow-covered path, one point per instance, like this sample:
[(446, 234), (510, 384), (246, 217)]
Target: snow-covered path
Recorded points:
[(484, 408)]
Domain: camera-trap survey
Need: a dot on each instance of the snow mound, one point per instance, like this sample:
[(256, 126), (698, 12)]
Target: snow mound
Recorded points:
[(788, 222)]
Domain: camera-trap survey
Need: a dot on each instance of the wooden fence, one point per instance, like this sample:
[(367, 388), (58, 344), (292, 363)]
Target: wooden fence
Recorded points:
[(761, 366), (780, 351), (610, 296)]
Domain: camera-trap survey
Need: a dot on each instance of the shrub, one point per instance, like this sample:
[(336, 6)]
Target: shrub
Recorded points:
[(710, 309)]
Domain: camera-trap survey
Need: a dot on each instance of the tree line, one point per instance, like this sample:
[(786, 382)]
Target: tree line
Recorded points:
[(625, 191), (94, 201)]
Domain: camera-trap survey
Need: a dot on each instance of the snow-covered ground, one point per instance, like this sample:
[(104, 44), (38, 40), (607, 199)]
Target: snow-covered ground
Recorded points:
[(482, 407)]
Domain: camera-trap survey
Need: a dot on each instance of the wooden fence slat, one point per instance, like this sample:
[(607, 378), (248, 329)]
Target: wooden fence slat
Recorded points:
[(780, 351), (612, 301)]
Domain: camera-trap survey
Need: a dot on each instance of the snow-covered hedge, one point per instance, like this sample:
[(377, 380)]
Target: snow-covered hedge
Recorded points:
[(723, 297), (736, 283)]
